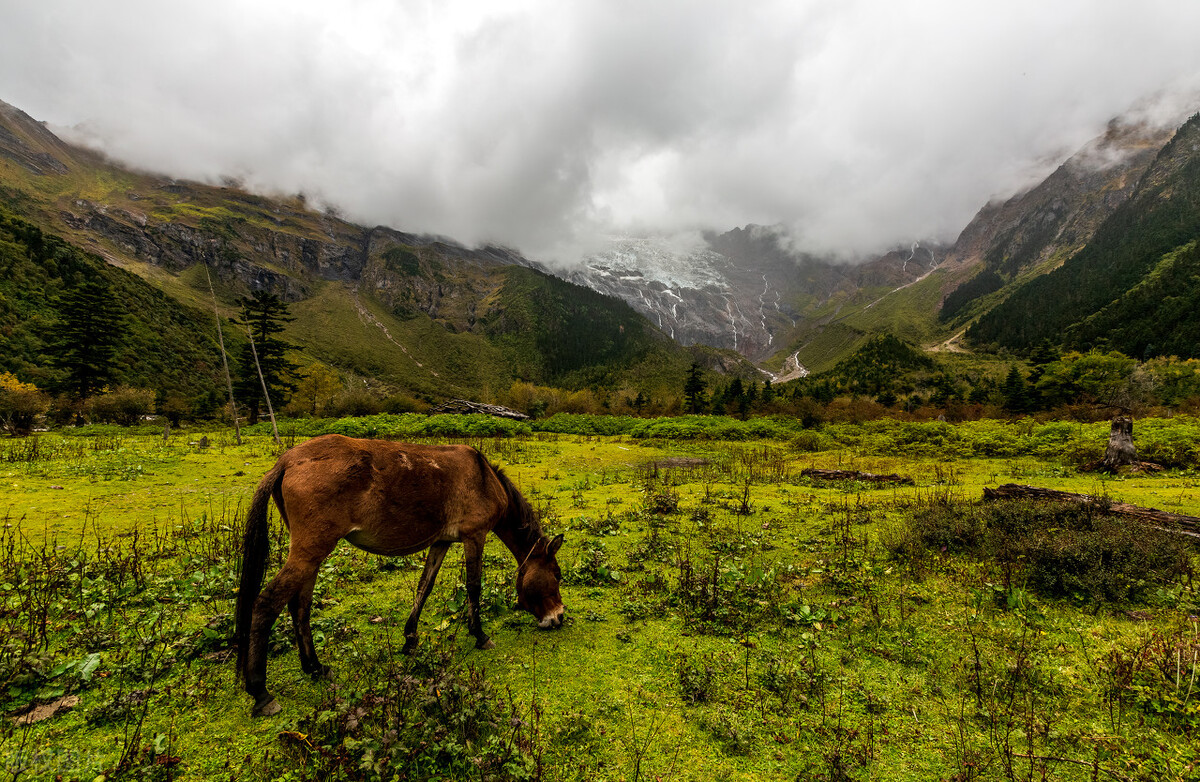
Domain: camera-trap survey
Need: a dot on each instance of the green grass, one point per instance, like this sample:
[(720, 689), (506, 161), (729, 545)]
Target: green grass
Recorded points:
[(419, 353), (822, 655)]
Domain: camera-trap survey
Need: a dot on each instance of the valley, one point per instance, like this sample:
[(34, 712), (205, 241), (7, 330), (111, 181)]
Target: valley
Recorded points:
[(726, 615), (822, 383)]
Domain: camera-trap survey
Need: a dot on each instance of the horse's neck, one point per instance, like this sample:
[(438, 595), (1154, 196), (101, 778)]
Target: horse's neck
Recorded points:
[(519, 539)]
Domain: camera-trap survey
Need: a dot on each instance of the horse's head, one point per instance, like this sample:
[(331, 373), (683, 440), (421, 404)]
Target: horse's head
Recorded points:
[(537, 583)]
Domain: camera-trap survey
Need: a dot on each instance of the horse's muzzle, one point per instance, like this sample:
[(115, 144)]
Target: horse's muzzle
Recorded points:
[(552, 620)]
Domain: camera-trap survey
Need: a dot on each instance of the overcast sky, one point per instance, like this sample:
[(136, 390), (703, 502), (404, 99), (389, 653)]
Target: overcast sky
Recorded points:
[(542, 124)]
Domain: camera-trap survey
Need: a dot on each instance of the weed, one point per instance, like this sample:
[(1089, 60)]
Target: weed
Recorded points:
[(697, 679)]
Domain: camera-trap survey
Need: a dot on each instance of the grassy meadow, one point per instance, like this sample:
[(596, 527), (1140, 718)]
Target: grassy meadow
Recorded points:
[(727, 618)]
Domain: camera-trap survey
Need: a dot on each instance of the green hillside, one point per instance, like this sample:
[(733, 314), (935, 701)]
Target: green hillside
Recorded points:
[(390, 312), (561, 333), (163, 345), (1161, 218), (1156, 317)]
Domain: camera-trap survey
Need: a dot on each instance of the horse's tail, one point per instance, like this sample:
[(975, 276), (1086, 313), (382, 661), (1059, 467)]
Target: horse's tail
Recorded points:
[(256, 545)]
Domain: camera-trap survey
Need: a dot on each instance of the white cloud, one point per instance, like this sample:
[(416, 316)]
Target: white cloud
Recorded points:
[(541, 124)]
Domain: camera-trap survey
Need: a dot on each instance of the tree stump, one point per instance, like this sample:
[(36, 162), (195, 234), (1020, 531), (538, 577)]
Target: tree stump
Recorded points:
[(1121, 452)]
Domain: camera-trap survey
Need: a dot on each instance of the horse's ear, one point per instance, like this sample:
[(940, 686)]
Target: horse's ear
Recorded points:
[(555, 545)]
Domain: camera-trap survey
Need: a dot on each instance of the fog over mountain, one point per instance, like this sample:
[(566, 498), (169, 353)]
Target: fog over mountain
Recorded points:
[(547, 125)]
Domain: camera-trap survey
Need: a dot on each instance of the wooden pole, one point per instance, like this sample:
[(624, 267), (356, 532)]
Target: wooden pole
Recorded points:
[(263, 380), (237, 429)]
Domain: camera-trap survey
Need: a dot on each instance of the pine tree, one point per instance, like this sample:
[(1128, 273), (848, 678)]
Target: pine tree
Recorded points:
[(86, 338), (265, 315), (1016, 391), (693, 391)]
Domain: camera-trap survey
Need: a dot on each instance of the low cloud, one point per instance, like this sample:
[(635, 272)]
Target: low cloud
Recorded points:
[(542, 125)]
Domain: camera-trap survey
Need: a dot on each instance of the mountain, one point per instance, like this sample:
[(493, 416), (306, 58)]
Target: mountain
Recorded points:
[(164, 345), (413, 312), (1035, 231), (746, 289), (1132, 287), (1097, 254), (749, 290)]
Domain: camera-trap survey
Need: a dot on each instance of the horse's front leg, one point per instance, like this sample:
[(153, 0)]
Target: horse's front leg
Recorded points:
[(473, 555), (433, 563)]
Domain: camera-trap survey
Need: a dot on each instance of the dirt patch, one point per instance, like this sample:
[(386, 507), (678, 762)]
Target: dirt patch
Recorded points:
[(678, 461), (48, 710)]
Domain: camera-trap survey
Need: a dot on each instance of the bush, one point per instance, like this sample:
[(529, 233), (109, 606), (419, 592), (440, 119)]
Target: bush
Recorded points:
[(717, 427), (1173, 442), (355, 402), (124, 406), (808, 442), (573, 423), (404, 426), (1057, 549), (21, 405)]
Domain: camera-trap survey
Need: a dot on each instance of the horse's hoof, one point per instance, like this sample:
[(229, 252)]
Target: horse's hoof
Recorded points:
[(268, 709), (486, 644)]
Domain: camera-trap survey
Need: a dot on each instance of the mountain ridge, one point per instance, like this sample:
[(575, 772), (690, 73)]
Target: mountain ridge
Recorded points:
[(427, 301), (416, 303)]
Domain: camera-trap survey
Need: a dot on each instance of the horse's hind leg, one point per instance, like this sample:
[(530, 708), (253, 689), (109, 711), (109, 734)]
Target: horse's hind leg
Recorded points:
[(277, 593), (300, 607), (473, 556), (433, 563)]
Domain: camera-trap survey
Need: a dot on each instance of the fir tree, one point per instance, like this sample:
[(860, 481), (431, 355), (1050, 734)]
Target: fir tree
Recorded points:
[(1016, 391), (265, 315), (86, 338), (693, 391)]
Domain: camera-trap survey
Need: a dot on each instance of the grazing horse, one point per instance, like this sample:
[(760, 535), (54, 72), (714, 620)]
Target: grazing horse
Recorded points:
[(390, 499)]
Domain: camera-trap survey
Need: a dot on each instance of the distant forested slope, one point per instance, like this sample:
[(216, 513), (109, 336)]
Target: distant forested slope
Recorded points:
[(162, 344), (1107, 295)]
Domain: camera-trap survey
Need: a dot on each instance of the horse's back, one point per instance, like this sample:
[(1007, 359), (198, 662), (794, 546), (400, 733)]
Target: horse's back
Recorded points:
[(386, 496)]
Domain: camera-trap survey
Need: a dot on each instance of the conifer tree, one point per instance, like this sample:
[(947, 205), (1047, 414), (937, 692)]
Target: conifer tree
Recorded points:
[(693, 390), (265, 315), (85, 340), (1016, 391)]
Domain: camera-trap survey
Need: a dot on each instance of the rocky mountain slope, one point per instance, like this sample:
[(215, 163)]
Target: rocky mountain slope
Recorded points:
[(747, 289), (1132, 287), (416, 312)]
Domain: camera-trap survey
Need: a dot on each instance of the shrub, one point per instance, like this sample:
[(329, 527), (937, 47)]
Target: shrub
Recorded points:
[(21, 405), (1057, 549), (124, 406), (435, 719), (810, 441), (697, 679), (355, 402), (573, 423), (1158, 674)]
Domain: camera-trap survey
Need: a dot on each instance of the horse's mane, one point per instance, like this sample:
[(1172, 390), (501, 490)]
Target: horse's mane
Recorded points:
[(521, 515)]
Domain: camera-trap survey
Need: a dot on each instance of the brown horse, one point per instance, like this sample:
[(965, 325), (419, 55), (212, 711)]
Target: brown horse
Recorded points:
[(387, 498)]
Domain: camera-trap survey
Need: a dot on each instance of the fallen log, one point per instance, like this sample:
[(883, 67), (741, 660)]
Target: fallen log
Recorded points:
[(465, 406), (1188, 525), (855, 475)]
